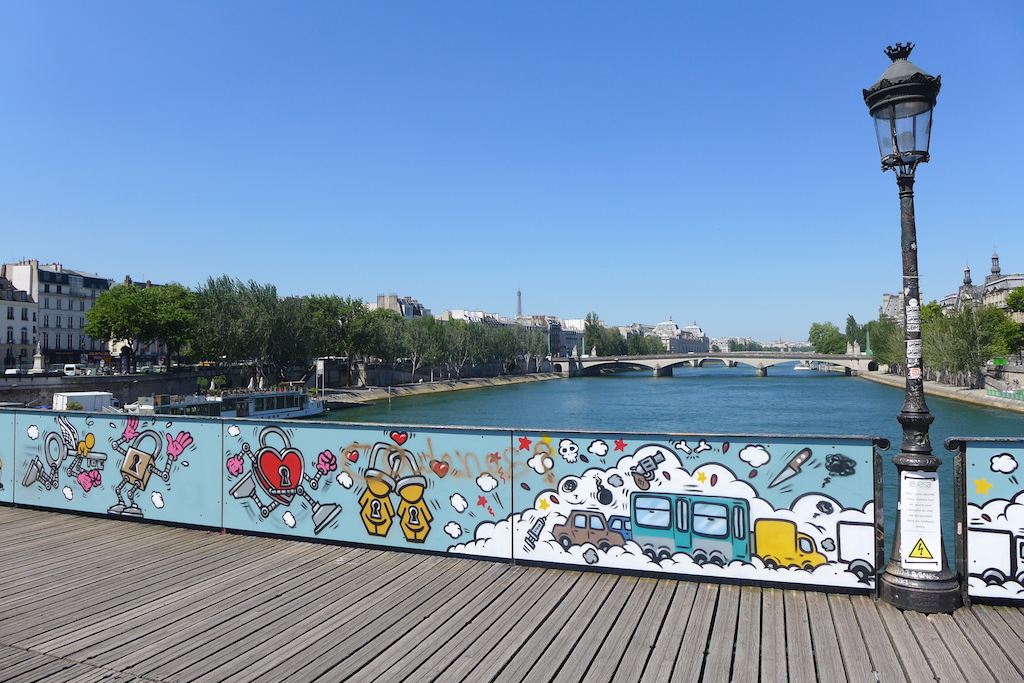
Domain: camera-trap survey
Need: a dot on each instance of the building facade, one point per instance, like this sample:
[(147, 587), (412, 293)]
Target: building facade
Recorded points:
[(19, 327), (992, 292), (61, 298)]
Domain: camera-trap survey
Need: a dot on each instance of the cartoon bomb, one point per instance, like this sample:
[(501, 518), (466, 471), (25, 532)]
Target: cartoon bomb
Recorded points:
[(57, 449), (279, 473), (141, 450), (376, 508)]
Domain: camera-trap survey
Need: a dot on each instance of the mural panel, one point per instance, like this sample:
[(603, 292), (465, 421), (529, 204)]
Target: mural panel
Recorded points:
[(7, 442), (787, 510), (992, 517), (416, 488), (792, 511), (125, 465)]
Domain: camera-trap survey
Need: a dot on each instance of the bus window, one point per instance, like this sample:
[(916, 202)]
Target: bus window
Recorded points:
[(711, 519), (653, 512), (739, 523), (682, 514)]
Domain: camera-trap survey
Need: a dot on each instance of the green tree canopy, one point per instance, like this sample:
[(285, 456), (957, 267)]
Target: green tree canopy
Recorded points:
[(826, 338), (124, 314)]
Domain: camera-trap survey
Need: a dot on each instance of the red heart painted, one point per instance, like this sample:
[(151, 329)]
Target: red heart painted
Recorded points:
[(399, 437), (440, 468), (279, 473), (353, 456)]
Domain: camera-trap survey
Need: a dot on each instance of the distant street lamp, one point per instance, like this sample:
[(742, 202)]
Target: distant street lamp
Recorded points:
[(917, 576)]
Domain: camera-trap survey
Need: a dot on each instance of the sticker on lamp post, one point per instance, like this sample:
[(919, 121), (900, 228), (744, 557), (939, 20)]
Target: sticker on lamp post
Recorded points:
[(920, 523)]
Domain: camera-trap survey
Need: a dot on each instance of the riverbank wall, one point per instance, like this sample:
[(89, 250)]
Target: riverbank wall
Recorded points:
[(976, 396), (346, 398)]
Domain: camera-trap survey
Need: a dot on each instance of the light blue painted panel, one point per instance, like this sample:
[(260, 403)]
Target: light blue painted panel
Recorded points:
[(121, 465), (994, 519), (7, 445), (787, 510), (415, 488)]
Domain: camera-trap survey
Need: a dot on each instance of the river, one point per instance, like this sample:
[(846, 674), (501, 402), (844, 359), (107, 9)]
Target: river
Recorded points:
[(703, 401)]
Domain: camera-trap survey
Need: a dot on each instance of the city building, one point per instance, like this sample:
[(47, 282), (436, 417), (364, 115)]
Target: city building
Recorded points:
[(892, 308), (992, 292), (689, 339), (20, 317), (61, 297), (405, 306)]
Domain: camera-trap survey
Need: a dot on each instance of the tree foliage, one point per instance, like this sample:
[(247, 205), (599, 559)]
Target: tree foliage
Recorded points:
[(826, 338)]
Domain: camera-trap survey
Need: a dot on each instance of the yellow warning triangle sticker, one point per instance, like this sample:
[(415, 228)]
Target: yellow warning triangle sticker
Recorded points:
[(921, 551)]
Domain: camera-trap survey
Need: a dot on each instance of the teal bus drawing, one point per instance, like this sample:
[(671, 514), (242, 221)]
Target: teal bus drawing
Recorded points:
[(707, 528)]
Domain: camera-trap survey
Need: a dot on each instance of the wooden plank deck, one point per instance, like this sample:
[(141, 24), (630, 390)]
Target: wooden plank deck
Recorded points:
[(89, 600)]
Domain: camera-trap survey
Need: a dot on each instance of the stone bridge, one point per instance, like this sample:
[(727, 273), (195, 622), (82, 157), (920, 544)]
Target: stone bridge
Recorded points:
[(662, 365)]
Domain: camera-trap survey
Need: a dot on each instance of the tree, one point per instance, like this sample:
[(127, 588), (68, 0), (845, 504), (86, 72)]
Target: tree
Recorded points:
[(1015, 300), (175, 316), (419, 340), (826, 338), (887, 343), (123, 314), (958, 345), (930, 311), (856, 333)]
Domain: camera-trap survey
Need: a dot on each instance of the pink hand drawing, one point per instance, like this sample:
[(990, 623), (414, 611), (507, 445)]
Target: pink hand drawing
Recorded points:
[(235, 465), (131, 430), (326, 463), (177, 446), (89, 479)]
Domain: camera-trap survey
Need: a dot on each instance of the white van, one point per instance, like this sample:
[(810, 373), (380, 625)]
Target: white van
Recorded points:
[(71, 369)]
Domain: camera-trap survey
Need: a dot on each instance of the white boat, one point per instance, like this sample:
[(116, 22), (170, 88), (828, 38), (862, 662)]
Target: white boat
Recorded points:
[(261, 405), (802, 366)]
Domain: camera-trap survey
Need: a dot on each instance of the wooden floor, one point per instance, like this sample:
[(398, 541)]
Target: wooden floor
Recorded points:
[(88, 599)]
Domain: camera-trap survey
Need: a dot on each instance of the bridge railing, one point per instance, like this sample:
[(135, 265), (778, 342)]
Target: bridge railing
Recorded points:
[(989, 509), (802, 511)]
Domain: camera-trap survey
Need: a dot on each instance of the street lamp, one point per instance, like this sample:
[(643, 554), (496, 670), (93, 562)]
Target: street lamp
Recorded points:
[(917, 576)]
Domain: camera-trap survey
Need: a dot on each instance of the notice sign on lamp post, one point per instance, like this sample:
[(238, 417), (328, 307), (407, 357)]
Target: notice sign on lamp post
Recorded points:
[(921, 540)]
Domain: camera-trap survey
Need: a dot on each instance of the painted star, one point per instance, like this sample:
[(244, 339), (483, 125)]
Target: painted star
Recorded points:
[(982, 486), (524, 443), (545, 439), (494, 457), (701, 477), (620, 445), (543, 504), (481, 501)]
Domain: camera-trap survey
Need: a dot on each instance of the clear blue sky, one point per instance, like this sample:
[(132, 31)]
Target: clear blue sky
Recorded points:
[(713, 162)]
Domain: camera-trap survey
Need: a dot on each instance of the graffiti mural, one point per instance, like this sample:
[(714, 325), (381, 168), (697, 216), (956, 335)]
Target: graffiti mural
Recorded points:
[(992, 517), (123, 465), (786, 511), (417, 488)]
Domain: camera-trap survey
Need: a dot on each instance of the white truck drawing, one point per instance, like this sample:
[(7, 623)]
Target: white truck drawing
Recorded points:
[(857, 549), (995, 555)]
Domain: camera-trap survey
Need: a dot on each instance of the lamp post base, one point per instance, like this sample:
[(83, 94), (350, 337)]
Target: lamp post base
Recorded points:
[(927, 592)]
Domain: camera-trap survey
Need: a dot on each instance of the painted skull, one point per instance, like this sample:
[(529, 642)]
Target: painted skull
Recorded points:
[(568, 450)]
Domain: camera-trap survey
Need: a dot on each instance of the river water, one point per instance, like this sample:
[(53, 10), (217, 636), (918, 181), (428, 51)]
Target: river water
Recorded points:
[(704, 401)]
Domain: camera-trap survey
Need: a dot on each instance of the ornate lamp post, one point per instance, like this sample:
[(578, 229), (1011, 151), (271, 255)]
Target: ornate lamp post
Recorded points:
[(917, 576)]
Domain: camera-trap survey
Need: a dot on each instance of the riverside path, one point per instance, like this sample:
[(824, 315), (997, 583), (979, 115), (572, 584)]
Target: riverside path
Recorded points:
[(87, 599)]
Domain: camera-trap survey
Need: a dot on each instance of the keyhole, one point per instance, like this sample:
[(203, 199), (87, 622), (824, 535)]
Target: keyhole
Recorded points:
[(286, 476), (375, 510), (134, 467), (414, 516)]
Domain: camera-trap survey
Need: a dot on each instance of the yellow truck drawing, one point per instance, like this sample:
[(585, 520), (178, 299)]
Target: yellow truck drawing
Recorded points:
[(779, 544)]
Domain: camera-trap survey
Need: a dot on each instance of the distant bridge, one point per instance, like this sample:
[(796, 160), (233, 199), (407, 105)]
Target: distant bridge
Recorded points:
[(661, 365)]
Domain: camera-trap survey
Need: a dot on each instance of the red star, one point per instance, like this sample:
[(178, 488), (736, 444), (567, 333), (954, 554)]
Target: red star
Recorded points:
[(620, 445), (494, 457), (481, 501), (524, 443)]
